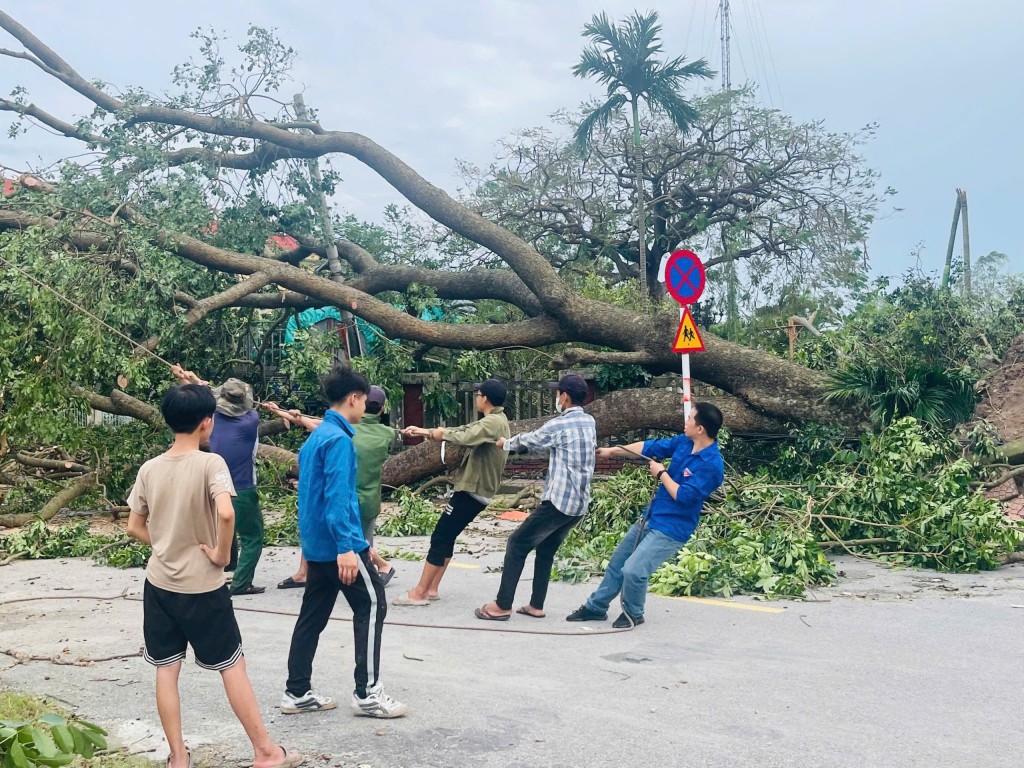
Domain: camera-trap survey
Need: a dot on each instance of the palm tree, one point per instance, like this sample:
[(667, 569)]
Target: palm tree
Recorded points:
[(622, 58)]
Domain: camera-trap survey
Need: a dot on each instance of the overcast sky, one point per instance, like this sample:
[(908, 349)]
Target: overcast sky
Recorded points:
[(439, 80)]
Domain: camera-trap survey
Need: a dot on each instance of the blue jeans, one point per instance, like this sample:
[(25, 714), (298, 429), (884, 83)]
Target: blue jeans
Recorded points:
[(629, 571)]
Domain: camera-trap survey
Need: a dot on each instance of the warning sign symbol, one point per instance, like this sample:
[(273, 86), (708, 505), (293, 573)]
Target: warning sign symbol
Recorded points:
[(687, 337)]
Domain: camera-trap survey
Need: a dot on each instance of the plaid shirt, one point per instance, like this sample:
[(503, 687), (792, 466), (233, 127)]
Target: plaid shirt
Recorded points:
[(571, 439)]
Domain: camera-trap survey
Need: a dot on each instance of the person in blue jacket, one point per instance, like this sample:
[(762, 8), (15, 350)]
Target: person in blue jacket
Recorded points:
[(338, 557), (695, 471)]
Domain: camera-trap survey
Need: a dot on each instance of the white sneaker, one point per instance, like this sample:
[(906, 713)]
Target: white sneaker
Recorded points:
[(293, 705), (377, 704)]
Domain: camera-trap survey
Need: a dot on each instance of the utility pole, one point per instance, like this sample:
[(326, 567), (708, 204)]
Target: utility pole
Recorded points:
[(319, 203), (959, 214), (967, 242)]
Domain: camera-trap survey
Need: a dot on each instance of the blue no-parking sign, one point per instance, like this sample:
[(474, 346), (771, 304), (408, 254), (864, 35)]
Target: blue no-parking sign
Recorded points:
[(684, 277)]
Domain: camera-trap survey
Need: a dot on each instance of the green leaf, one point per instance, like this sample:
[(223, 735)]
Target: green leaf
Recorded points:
[(62, 736), (17, 753), (44, 743)]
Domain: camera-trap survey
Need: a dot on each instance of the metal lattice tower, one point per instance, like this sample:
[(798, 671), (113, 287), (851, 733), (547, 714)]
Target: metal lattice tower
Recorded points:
[(723, 13)]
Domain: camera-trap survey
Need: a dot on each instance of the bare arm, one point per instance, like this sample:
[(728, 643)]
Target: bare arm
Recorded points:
[(138, 528), (221, 556)]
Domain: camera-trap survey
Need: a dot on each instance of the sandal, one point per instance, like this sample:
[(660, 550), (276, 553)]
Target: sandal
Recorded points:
[(291, 583), (291, 759), (485, 615), (406, 600), (523, 610)]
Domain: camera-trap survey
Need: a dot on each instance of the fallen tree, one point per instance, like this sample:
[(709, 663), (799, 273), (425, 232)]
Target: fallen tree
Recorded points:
[(143, 137)]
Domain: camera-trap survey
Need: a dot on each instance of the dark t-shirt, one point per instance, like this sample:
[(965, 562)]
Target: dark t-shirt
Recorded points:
[(235, 438)]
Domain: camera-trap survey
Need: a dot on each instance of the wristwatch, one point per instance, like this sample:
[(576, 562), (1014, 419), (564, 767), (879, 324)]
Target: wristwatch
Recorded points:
[(660, 473)]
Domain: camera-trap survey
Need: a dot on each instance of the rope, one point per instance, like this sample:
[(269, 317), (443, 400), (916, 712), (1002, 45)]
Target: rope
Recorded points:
[(85, 311), (124, 596)]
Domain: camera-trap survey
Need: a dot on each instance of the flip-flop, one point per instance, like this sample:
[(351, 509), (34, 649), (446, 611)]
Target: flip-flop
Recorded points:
[(524, 612), (406, 600), (291, 759), (485, 616), (435, 598), (187, 752), (291, 583), (386, 577)]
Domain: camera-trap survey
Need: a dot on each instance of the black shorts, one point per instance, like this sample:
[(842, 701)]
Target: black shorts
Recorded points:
[(206, 621)]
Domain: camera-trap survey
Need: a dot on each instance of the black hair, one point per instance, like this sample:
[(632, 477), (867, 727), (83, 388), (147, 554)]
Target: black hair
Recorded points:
[(372, 408), (576, 398), (342, 381), (708, 416), (184, 407)]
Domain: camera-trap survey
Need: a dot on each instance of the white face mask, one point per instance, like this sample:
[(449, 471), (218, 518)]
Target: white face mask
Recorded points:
[(558, 405)]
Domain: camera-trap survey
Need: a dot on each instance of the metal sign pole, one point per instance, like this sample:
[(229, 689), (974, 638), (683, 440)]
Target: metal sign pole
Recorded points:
[(686, 376)]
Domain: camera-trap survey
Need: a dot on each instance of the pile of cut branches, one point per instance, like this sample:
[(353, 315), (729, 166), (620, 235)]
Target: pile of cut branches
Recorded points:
[(905, 496)]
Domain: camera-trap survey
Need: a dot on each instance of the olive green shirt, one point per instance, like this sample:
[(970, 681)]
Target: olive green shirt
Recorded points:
[(372, 441), (483, 464)]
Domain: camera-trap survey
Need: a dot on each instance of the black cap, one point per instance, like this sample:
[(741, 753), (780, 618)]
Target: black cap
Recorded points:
[(572, 384), (494, 390)]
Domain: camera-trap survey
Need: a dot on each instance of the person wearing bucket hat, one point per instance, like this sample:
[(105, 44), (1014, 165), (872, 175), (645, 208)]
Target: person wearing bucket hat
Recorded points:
[(235, 437), (570, 440), (477, 479)]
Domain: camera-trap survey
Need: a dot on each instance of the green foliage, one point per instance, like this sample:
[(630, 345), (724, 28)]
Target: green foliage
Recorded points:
[(416, 516), (622, 58), (38, 541), (57, 734), (284, 531), (916, 349), (615, 505), (728, 556), (440, 398), (930, 394), (400, 554), (48, 740), (905, 497)]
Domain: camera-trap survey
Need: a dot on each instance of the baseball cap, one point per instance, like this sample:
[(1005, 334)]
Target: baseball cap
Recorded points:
[(377, 395), (572, 384), (494, 390)]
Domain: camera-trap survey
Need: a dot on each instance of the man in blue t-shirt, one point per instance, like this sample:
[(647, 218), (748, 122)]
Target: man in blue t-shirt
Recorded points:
[(695, 471)]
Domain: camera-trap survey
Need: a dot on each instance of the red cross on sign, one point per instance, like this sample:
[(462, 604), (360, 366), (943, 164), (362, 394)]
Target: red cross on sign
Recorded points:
[(687, 337)]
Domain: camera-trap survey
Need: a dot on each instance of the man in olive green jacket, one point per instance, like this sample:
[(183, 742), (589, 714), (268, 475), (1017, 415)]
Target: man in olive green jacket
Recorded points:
[(372, 441), (476, 481)]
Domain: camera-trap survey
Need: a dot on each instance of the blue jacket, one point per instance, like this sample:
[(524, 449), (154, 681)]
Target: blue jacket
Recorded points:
[(698, 475), (329, 520)]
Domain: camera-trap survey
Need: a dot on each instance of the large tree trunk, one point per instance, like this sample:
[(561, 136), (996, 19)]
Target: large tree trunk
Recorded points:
[(616, 414)]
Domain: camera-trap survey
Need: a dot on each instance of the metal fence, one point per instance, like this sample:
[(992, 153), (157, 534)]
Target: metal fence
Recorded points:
[(526, 400)]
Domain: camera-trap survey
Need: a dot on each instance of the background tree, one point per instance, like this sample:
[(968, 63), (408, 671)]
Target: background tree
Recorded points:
[(622, 58), (798, 200)]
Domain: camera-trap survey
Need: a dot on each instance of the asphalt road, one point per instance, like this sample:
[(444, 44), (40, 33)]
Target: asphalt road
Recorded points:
[(887, 668)]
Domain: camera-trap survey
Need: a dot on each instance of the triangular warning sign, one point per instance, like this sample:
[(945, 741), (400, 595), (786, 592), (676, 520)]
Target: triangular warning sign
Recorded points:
[(687, 337)]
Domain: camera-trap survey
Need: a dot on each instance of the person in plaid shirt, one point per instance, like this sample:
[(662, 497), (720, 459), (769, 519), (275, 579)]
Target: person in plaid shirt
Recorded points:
[(570, 439)]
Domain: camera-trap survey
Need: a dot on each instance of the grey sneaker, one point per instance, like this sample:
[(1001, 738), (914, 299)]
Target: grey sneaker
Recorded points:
[(293, 705), (377, 704)]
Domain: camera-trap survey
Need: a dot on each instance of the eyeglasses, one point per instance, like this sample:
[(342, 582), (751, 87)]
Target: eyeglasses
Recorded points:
[(480, 394)]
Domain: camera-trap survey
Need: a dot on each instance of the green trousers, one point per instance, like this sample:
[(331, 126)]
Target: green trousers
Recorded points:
[(249, 530)]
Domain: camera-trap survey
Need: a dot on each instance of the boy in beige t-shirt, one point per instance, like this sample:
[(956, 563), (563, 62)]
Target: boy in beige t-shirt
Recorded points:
[(181, 506)]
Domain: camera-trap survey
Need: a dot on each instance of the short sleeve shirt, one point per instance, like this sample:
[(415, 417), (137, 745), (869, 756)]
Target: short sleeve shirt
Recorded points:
[(176, 495)]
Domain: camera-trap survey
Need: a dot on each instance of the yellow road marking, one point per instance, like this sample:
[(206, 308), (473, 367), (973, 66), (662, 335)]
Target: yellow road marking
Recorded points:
[(725, 603), (453, 564)]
